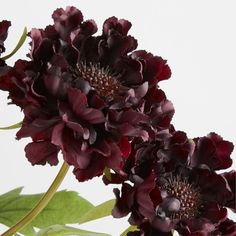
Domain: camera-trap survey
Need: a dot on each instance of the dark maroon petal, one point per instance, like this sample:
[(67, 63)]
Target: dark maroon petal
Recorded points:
[(75, 152), (44, 51), (212, 151), (4, 25), (114, 47), (196, 227), (146, 206), (231, 179), (155, 68), (123, 201), (16, 82), (129, 130), (93, 116), (51, 33), (37, 37), (103, 147), (127, 121), (95, 168), (114, 161), (76, 127), (180, 148), (133, 117), (54, 83), (121, 45), (130, 72), (122, 26), (35, 127), (67, 20), (86, 29), (214, 187), (39, 153), (214, 212), (125, 146), (158, 108), (78, 102), (97, 163), (226, 228)]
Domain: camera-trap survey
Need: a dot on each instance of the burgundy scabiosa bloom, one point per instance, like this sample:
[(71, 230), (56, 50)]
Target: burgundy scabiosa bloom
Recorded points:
[(87, 95), (176, 187)]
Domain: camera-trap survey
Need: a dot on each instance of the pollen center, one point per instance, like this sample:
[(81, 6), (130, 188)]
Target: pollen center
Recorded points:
[(100, 79), (187, 195)]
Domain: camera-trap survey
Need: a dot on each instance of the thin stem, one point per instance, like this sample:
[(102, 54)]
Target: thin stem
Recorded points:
[(41, 204)]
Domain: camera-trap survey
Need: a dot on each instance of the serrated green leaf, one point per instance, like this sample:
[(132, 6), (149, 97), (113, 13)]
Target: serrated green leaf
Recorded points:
[(15, 126), (12, 193), (66, 207), (98, 212), (62, 230), (18, 46), (129, 229)]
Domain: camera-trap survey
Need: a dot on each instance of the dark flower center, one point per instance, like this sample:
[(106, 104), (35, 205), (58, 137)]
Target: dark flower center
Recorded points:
[(182, 200), (100, 79)]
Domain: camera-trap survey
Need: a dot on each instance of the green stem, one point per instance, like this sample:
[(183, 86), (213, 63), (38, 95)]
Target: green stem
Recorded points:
[(41, 204), (18, 46)]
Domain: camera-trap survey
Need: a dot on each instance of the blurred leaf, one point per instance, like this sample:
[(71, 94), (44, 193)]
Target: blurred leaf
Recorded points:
[(98, 212), (129, 229), (15, 126), (18, 46), (61, 230), (66, 207)]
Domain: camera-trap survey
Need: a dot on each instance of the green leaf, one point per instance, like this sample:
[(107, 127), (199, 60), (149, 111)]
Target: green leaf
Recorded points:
[(15, 126), (18, 46), (66, 207), (13, 193), (61, 230), (98, 212), (129, 229)]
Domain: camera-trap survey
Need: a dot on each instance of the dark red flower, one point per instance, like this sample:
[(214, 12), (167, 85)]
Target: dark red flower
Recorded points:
[(86, 95), (174, 189)]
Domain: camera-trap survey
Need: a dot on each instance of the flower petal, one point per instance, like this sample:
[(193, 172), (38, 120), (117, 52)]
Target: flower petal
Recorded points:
[(212, 151), (39, 153)]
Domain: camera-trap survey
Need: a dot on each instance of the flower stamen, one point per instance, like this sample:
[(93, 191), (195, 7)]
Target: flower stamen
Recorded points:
[(186, 193), (100, 79)]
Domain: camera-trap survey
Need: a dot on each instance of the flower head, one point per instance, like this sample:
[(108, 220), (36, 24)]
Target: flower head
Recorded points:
[(175, 188), (87, 95)]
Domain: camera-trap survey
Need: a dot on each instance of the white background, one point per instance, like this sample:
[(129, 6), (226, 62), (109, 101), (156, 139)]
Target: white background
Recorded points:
[(198, 39)]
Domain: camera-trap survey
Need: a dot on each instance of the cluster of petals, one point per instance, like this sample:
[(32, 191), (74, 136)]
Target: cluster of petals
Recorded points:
[(172, 184), (84, 95), (97, 100)]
